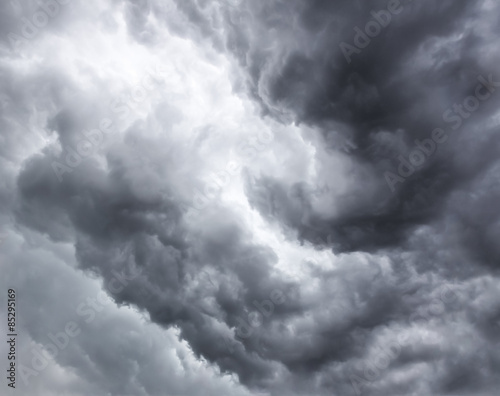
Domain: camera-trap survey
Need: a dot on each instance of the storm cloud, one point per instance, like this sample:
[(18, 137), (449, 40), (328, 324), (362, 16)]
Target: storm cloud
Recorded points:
[(246, 197)]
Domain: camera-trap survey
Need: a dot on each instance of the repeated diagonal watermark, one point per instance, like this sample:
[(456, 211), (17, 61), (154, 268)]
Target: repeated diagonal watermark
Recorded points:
[(363, 37), (30, 28), (426, 148), (43, 354), (370, 371), (246, 326)]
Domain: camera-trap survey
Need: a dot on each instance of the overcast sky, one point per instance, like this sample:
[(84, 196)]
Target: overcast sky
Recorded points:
[(251, 197)]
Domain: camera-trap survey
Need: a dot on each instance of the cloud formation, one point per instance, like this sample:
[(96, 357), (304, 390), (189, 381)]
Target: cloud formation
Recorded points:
[(252, 197)]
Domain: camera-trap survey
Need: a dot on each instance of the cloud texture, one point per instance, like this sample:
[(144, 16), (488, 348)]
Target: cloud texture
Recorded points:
[(258, 197)]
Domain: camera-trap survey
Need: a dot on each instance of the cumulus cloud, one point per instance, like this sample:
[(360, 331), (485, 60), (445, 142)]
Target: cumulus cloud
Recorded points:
[(251, 197)]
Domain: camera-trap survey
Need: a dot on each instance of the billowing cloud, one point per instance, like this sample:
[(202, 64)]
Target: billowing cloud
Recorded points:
[(249, 197)]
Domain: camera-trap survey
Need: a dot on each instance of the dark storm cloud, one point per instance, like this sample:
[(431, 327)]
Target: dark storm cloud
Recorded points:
[(418, 263), (101, 213), (387, 97), (416, 79)]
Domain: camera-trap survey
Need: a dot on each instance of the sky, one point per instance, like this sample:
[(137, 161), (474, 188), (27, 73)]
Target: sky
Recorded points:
[(250, 197)]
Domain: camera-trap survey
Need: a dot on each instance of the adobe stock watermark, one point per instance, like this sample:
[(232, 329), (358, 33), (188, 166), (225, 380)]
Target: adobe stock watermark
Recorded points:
[(455, 115), (60, 340), (92, 139), (372, 370), (131, 99), (86, 146), (248, 149), (381, 19), (255, 319), (31, 27)]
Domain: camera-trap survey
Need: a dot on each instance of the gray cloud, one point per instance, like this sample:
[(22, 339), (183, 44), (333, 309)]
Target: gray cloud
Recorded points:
[(299, 272)]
